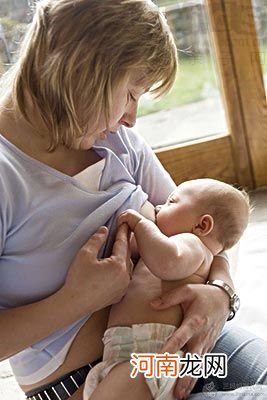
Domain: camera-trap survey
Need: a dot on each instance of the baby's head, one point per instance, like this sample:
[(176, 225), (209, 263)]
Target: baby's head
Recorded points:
[(205, 207)]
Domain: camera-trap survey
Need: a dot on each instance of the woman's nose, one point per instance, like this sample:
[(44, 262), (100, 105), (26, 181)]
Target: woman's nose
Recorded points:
[(129, 117)]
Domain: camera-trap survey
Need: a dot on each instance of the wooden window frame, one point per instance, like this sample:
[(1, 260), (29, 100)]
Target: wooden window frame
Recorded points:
[(239, 156)]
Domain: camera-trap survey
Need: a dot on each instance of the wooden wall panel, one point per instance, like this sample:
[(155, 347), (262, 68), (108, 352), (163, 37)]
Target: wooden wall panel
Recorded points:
[(226, 64), (207, 158), (249, 79)]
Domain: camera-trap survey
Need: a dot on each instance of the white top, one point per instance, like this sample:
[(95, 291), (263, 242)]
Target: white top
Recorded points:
[(90, 177)]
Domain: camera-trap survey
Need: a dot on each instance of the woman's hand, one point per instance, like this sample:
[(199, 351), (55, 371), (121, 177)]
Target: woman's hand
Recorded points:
[(93, 283), (205, 309)]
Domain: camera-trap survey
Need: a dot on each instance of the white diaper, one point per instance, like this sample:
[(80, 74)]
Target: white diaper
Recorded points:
[(120, 342)]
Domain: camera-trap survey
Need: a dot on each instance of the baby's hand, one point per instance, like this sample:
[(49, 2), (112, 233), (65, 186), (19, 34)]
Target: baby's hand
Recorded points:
[(129, 217)]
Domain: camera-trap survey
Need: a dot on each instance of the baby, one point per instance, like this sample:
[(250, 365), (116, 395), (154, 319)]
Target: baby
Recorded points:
[(201, 218)]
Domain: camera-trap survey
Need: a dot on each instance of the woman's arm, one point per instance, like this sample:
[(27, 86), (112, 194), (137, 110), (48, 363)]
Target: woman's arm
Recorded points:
[(220, 270), (206, 308), (22, 326)]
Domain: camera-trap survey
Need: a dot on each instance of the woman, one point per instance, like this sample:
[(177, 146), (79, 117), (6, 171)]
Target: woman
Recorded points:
[(81, 70)]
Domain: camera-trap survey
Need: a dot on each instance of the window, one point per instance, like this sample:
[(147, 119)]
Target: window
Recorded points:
[(193, 109), (260, 15)]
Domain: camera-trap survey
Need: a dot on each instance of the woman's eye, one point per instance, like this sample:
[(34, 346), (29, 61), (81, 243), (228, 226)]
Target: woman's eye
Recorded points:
[(130, 97)]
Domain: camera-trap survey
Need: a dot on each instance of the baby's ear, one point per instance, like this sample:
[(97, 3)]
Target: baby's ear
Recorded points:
[(204, 226)]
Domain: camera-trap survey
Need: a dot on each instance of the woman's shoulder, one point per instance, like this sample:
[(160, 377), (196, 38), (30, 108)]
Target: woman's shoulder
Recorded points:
[(7, 194), (11, 165), (16, 179)]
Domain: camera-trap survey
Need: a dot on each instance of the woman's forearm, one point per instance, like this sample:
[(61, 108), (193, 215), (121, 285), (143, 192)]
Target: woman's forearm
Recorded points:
[(220, 270), (25, 325)]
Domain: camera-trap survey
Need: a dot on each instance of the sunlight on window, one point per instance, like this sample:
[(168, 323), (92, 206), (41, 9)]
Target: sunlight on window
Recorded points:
[(260, 18), (193, 108)]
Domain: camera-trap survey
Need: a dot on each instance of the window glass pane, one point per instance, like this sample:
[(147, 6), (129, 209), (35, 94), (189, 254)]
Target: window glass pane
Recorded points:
[(193, 109), (14, 16), (260, 17)]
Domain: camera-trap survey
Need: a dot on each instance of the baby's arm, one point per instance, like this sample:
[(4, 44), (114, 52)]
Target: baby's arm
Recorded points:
[(169, 258), (147, 211)]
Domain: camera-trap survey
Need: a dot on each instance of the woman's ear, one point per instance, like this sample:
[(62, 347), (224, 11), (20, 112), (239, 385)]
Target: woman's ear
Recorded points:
[(204, 226)]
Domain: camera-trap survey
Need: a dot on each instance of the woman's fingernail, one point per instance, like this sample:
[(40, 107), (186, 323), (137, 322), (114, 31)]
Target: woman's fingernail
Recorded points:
[(156, 302), (102, 229)]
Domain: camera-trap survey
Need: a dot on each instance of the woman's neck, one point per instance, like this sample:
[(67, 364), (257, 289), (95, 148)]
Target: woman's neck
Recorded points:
[(20, 133)]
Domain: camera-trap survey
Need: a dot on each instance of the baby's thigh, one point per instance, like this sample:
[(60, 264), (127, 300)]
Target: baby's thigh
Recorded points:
[(119, 385)]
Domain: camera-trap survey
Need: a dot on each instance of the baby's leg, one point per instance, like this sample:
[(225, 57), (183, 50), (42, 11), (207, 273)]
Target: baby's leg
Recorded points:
[(119, 385)]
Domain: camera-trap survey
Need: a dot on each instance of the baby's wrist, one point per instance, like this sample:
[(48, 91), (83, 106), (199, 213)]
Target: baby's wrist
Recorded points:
[(136, 223)]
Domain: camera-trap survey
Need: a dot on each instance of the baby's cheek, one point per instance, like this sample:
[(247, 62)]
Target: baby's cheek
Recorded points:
[(162, 224)]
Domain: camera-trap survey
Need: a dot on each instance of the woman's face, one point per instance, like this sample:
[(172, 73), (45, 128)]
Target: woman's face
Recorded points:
[(123, 112)]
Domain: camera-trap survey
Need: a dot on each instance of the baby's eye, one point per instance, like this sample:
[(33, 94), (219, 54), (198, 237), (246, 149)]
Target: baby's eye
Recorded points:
[(170, 201)]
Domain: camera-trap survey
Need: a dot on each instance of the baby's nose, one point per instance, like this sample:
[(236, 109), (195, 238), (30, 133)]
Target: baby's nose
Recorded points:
[(158, 208)]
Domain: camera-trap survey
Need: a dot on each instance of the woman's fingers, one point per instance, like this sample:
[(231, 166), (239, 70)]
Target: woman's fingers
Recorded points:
[(202, 322), (189, 324), (178, 339), (183, 387), (121, 249), (186, 383), (121, 245), (121, 219), (172, 298), (96, 241), (97, 283)]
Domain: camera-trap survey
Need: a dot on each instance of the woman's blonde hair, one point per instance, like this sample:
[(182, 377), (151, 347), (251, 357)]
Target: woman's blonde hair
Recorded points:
[(76, 51)]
